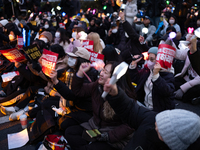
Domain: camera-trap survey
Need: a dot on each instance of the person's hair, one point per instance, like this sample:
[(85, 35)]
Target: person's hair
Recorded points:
[(63, 36), (171, 28), (79, 62), (173, 17), (41, 45), (78, 29), (97, 43), (56, 48), (124, 82), (110, 54)]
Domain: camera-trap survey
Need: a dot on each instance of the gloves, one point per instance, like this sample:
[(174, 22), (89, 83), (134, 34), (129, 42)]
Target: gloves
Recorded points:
[(104, 137), (59, 111), (179, 94)]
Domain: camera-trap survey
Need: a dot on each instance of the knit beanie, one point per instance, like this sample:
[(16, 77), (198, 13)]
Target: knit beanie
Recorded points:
[(153, 50), (48, 35), (4, 22), (179, 128)]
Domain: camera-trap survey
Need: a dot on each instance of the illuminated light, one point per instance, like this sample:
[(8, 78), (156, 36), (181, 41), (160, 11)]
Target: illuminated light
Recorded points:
[(172, 35), (89, 9), (190, 30), (98, 65), (145, 30), (197, 32), (93, 11), (104, 7), (63, 14), (146, 55), (29, 11), (167, 2), (107, 14), (40, 12), (196, 13), (52, 10), (24, 36), (58, 7)]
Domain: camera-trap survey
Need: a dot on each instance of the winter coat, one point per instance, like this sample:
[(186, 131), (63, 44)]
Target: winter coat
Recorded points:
[(131, 11), (154, 7), (133, 46), (101, 117), (195, 61), (143, 121), (176, 26), (151, 31), (163, 88)]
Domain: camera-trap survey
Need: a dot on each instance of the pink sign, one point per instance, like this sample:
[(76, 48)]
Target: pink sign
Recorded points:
[(49, 60), (165, 55), (13, 55)]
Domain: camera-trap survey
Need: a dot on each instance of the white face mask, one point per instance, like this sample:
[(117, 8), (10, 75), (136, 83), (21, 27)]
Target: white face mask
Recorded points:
[(46, 26), (171, 21), (74, 35), (150, 64), (71, 62), (37, 19), (57, 35), (11, 37), (114, 31), (44, 39)]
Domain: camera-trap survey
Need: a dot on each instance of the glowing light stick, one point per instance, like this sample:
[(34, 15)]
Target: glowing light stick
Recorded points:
[(29, 38), (93, 11), (190, 30), (119, 71), (169, 39), (58, 7), (144, 31), (24, 37)]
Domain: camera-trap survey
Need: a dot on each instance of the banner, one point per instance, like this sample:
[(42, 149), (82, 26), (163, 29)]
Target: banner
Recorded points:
[(32, 52), (9, 76), (20, 41), (89, 45), (49, 60), (94, 56), (165, 55), (13, 55)]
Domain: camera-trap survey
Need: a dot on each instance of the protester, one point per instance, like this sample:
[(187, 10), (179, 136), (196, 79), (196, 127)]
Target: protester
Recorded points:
[(152, 130), (113, 131)]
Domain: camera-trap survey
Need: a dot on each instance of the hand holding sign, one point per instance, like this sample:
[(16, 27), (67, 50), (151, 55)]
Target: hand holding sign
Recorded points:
[(53, 76)]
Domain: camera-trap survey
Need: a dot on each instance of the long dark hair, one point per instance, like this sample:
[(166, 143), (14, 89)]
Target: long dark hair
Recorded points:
[(63, 36), (124, 82)]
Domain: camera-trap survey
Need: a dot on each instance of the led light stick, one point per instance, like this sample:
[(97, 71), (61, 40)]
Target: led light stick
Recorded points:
[(119, 71), (169, 39), (29, 38), (144, 31), (24, 36)]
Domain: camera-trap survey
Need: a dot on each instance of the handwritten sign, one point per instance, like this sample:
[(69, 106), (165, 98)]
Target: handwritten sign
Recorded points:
[(94, 56), (13, 55), (33, 52), (165, 55), (49, 60), (20, 41)]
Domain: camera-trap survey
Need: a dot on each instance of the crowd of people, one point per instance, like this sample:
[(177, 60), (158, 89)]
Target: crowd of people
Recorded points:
[(139, 111)]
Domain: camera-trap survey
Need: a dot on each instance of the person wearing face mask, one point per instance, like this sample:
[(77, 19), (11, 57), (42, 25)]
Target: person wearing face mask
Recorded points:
[(172, 22), (155, 87), (116, 36), (46, 37), (61, 38)]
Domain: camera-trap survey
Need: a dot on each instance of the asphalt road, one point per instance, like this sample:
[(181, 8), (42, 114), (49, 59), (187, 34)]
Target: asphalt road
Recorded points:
[(7, 127)]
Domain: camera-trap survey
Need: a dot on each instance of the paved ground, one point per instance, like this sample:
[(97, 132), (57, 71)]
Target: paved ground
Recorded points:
[(7, 127)]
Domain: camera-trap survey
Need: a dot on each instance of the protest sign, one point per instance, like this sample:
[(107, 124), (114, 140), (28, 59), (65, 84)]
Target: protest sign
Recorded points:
[(32, 52), (13, 55), (20, 41), (165, 55), (9, 76), (61, 25), (94, 56), (49, 60), (88, 44)]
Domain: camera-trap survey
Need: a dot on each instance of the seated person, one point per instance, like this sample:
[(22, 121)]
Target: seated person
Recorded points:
[(165, 130), (155, 87)]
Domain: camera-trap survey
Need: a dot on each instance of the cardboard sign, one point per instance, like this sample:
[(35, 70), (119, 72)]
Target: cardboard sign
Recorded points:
[(33, 52), (49, 60), (9, 76), (89, 45), (20, 41), (165, 55), (13, 55), (94, 56)]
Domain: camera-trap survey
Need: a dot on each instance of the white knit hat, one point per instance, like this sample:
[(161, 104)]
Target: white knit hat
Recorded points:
[(179, 128), (4, 22)]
